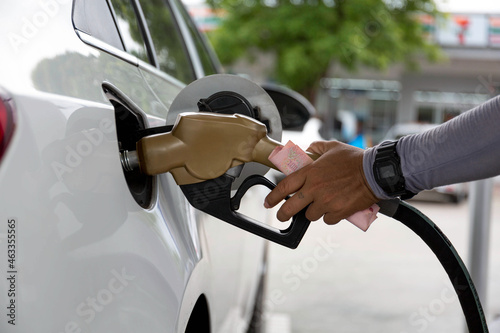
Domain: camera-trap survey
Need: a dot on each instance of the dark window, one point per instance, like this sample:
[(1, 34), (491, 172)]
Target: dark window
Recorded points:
[(129, 27), (171, 52), (425, 114), (94, 18), (206, 56)]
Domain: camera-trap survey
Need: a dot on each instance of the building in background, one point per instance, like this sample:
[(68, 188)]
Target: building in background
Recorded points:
[(434, 94)]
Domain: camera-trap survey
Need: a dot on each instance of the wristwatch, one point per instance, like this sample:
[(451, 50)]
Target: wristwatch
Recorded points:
[(387, 171)]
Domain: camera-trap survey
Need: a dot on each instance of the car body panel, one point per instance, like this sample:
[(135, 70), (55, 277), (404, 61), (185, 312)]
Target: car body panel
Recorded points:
[(79, 227)]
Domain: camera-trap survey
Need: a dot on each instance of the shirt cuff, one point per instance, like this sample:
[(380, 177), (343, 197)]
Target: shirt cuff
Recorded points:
[(368, 159)]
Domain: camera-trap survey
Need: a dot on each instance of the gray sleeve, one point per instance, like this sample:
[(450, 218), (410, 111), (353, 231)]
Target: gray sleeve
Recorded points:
[(463, 149)]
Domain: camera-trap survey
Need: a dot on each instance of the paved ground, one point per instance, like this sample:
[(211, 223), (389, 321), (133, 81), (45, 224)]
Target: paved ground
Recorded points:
[(385, 280)]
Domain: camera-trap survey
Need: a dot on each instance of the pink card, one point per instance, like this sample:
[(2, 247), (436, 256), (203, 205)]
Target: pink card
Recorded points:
[(289, 158)]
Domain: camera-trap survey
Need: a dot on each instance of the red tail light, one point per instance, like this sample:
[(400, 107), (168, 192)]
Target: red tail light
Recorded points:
[(6, 122)]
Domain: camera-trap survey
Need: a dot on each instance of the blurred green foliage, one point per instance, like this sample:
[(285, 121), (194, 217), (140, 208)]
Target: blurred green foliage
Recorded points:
[(307, 36)]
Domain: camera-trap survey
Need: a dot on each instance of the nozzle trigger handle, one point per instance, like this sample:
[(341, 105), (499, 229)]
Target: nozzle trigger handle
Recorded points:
[(214, 197)]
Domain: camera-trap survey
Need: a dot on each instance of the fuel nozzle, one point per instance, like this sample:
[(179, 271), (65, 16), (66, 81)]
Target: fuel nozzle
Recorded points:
[(202, 146), (199, 151)]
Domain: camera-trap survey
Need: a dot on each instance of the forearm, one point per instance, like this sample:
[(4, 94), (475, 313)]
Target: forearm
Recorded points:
[(463, 149)]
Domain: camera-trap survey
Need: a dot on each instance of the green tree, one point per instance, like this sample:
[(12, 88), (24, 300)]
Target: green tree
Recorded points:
[(307, 36)]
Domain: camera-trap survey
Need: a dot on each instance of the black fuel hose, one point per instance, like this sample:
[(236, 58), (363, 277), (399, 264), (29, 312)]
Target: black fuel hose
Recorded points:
[(446, 254)]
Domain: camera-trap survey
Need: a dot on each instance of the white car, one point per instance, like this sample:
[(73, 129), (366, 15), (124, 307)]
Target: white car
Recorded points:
[(86, 247)]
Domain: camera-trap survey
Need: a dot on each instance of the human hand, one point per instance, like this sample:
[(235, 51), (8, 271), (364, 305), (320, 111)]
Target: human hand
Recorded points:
[(334, 185)]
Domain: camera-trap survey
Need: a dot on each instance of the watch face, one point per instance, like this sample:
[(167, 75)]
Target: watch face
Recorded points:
[(387, 171)]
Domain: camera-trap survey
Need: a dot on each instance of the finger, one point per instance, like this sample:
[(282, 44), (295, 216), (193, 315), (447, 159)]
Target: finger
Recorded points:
[(318, 147), (331, 218), (315, 211), (293, 205), (287, 186)]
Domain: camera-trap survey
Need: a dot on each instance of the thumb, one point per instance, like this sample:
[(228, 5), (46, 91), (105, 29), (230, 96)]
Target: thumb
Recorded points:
[(319, 147)]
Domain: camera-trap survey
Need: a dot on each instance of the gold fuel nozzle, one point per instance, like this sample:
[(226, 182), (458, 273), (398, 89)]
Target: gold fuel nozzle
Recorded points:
[(203, 146)]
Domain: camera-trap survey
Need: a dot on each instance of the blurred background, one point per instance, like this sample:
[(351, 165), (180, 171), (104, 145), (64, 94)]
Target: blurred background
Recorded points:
[(374, 70)]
